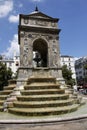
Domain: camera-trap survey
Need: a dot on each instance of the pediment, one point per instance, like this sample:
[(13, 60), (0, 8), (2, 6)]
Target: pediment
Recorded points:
[(39, 15)]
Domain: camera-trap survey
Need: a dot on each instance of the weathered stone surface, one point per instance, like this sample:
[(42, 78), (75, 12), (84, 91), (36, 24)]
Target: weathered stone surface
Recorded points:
[(39, 32)]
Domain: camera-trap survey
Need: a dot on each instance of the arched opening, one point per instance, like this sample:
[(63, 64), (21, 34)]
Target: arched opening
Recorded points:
[(40, 53)]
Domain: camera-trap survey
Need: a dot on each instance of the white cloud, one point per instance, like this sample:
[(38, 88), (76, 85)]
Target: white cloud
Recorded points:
[(14, 47), (13, 18), (6, 6)]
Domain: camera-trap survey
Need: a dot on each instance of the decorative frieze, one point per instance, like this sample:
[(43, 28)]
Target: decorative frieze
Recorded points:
[(26, 21)]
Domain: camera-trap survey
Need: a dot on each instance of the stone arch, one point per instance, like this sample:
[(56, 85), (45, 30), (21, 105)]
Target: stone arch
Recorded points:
[(40, 46)]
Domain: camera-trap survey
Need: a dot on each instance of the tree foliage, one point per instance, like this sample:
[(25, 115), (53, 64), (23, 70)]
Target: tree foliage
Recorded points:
[(5, 75), (85, 66), (0, 57), (15, 75), (67, 75)]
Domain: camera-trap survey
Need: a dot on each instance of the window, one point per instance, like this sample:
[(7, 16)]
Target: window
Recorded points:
[(10, 64), (69, 64), (69, 59), (17, 64)]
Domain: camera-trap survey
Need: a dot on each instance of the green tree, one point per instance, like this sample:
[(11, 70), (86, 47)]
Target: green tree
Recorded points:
[(15, 75), (67, 75), (5, 75), (85, 66), (0, 57)]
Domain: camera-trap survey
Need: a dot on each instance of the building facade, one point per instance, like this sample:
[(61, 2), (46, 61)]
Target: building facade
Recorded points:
[(81, 70), (70, 62), (12, 63)]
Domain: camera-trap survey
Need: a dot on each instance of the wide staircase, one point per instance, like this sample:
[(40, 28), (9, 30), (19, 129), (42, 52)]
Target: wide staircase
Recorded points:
[(5, 93), (43, 96)]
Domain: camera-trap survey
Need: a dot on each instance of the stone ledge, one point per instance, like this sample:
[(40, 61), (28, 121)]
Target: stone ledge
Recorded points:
[(42, 121)]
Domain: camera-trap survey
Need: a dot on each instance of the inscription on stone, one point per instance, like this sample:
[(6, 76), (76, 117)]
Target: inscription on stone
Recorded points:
[(25, 21)]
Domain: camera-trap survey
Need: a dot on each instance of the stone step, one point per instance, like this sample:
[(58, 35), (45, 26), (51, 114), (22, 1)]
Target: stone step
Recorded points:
[(41, 79), (43, 97), (40, 84), (46, 86), (43, 111), (10, 87), (1, 108), (3, 97), (42, 104), (1, 102), (12, 81), (42, 91), (5, 92)]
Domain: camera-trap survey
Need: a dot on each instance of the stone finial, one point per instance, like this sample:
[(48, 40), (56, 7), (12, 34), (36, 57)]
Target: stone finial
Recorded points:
[(36, 8)]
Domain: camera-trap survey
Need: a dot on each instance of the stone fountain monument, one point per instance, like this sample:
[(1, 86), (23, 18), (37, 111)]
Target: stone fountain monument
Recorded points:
[(38, 91), (38, 36)]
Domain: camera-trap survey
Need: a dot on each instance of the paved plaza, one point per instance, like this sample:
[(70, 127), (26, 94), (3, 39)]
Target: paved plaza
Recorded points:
[(74, 125)]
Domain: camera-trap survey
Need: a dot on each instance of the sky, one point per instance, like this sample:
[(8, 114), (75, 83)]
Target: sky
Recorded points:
[(73, 24)]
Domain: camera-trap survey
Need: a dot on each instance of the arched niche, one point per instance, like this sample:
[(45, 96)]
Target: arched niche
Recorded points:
[(40, 46)]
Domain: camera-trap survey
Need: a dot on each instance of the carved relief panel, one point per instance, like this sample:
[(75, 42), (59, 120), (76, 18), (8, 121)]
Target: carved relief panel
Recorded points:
[(53, 54), (24, 49), (38, 22), (25, 52)]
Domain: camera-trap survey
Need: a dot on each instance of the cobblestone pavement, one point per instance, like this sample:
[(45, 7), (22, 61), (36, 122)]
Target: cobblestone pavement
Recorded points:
[(74, 125)]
